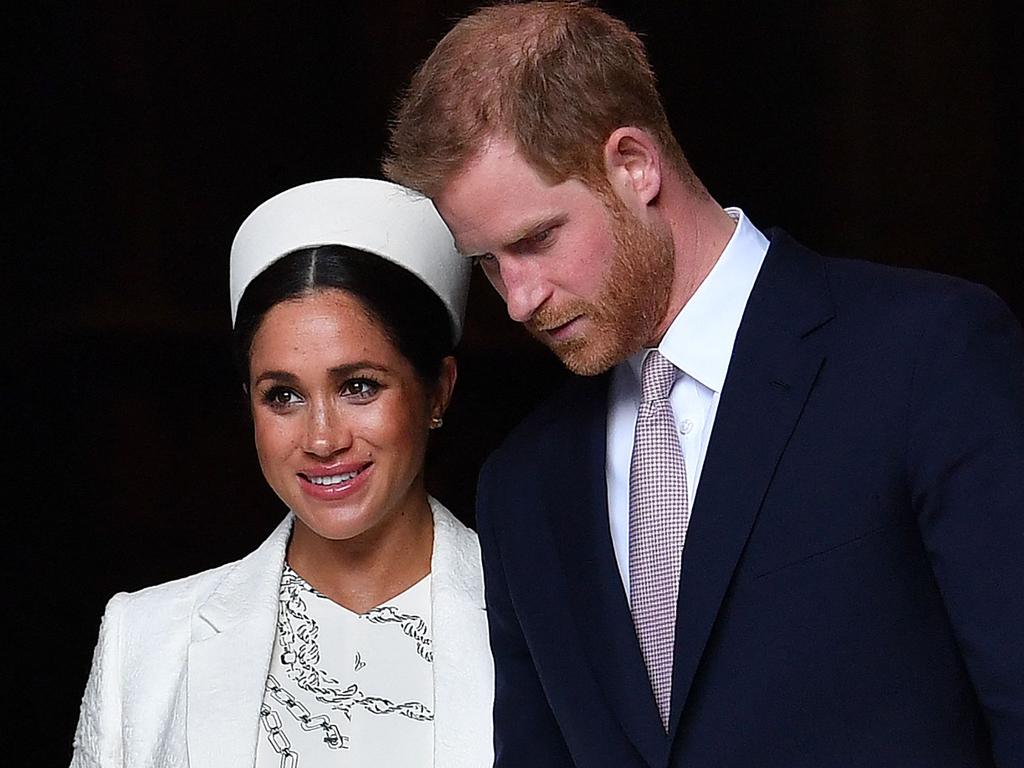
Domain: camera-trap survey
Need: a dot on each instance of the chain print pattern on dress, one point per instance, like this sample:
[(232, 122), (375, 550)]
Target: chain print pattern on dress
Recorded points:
[(271, 722), (298, 637), (298, 634), (413, 626), (276, 736)]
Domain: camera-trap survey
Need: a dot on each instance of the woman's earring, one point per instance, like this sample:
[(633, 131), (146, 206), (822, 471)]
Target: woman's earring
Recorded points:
[(436, 422)]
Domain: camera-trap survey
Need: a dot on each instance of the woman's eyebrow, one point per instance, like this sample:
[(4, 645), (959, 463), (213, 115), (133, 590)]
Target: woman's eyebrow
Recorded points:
[(285, 377), (348, 369), (338, 371)]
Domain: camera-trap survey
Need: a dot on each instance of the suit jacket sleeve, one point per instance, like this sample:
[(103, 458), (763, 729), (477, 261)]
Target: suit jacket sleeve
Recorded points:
[(525, 730), (966, 459), (98, 735)]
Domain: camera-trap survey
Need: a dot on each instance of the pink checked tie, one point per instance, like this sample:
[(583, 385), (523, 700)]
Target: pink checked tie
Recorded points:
[(658, 516)]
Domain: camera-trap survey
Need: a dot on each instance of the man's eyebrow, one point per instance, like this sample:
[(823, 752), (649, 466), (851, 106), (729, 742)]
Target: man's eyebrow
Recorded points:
[(535, 227), (522, 232)]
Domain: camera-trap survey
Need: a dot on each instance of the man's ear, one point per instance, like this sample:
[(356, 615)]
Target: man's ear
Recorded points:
[(632, 160)]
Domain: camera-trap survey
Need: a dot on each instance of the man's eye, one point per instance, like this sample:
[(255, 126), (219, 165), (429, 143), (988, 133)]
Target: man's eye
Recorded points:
[(538, 241), (483, 259), (360, 389)]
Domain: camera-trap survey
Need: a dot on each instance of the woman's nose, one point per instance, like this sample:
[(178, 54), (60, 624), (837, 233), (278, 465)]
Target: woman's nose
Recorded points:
[(327, 431)]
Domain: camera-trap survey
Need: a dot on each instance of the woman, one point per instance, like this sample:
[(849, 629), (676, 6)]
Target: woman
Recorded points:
[(356, 633)]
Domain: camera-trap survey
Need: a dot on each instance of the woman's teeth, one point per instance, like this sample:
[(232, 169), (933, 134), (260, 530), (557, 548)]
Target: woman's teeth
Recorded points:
[(333, 479)]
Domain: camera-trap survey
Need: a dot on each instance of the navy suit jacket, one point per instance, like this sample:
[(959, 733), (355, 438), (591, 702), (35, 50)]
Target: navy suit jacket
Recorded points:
[(851, 590)]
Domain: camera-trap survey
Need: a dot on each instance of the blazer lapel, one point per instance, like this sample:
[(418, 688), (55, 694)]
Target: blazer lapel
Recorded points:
[(229, 657), (776, 359), (463, 669), (579, 512)]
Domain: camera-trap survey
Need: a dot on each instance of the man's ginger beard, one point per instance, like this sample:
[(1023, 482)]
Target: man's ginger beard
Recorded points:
[(632, 302)]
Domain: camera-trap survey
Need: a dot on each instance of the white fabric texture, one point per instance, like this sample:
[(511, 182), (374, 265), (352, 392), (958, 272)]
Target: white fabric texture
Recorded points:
[(699, 343), (179, 671)]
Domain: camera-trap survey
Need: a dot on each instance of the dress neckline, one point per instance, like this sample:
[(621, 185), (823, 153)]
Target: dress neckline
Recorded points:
[(407, 594)]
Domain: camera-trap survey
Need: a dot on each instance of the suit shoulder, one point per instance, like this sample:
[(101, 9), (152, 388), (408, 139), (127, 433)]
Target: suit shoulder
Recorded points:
[(572, 404), (903, 318), (881, 287)]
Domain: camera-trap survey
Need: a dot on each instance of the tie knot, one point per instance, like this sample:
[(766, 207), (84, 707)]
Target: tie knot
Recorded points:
[(656, 377)]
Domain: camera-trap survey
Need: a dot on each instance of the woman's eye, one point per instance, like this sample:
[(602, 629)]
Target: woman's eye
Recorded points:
[(483, 259), (360, 388), (281, 397)]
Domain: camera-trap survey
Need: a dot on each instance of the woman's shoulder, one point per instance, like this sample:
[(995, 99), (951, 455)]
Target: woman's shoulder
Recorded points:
[(173, 601), (449, 527), (456, 565), (162, 597), (160, 614)]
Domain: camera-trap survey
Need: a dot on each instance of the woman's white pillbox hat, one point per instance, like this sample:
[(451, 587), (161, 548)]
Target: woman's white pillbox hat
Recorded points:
[(371, 215)]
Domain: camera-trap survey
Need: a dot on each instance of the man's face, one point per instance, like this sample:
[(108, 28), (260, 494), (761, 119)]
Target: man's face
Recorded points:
[(586, 277)]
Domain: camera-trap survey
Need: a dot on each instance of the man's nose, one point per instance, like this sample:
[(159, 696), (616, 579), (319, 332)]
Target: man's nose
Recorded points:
[(524, 290), (327, 430)]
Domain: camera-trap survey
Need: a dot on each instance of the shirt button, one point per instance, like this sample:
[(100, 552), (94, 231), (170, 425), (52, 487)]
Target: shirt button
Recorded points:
[(685, 427)]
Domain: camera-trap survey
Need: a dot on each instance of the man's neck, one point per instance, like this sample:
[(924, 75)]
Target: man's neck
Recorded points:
[(700, 231)]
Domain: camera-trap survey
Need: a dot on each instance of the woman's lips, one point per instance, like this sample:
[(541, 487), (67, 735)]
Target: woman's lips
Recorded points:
[(334, 484)]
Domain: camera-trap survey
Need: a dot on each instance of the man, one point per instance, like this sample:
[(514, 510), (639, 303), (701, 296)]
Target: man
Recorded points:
[(779, 521)]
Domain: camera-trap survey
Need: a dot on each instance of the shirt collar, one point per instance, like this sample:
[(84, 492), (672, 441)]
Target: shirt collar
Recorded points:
[(700, 339)]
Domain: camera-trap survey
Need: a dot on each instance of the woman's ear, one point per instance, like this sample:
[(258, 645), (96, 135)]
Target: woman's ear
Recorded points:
[(632, 161), (445, 386)]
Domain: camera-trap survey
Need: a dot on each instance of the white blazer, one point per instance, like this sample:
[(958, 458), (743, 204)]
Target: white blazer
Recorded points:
[(178, 674)]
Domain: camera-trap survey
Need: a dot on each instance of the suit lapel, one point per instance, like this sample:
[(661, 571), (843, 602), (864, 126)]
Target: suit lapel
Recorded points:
[(776, 359), (229, 657), (463, 669), (579, 511)]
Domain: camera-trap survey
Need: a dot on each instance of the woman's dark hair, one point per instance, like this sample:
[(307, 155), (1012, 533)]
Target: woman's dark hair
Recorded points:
[(412, 316)]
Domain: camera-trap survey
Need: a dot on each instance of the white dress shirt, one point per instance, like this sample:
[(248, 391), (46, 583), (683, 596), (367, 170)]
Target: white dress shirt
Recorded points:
[(699, 343)]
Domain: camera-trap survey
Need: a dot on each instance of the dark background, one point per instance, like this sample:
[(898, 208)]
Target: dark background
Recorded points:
[(138, 136)]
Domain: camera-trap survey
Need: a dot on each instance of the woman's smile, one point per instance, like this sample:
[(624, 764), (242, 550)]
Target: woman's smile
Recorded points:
[(334, 484)]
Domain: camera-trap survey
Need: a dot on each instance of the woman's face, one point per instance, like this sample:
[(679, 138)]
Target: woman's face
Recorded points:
[(341, 419)]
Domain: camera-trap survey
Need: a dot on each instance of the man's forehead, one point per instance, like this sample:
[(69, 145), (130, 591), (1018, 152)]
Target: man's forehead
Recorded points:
[(496, 157)]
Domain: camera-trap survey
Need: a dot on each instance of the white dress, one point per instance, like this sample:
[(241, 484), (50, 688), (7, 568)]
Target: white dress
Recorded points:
[(347, 688)]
